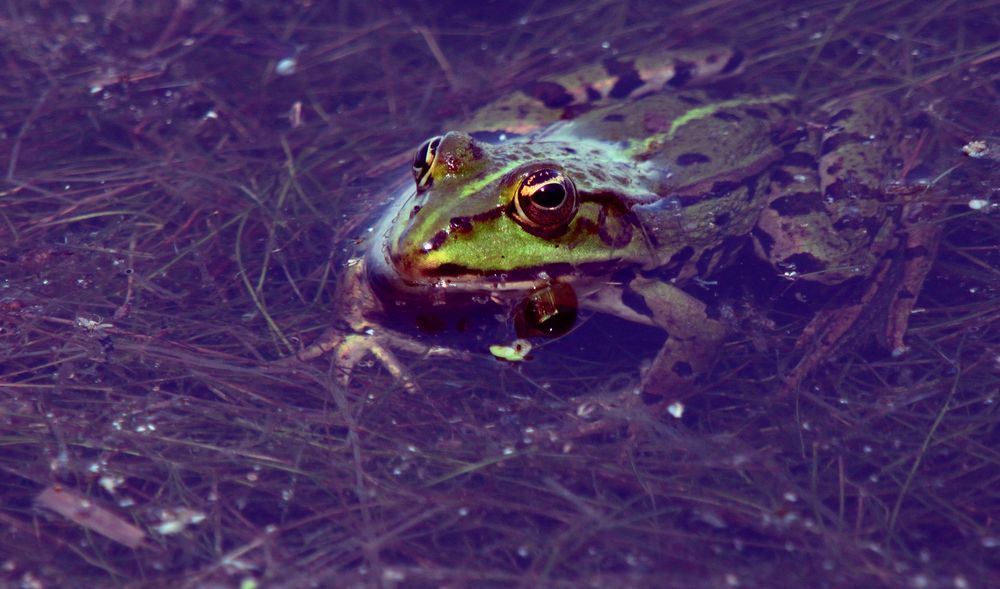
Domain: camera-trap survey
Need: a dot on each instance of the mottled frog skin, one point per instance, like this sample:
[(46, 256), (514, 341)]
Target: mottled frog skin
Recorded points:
[(630, 190)]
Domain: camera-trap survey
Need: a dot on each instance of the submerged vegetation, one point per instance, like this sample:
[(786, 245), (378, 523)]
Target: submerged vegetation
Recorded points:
[(182, 186)]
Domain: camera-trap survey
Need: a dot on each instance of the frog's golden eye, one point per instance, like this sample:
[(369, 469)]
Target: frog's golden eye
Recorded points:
[(422, 163), (545, 201)]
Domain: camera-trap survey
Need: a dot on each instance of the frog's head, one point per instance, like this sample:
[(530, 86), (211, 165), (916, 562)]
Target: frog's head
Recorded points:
[(513, 216)]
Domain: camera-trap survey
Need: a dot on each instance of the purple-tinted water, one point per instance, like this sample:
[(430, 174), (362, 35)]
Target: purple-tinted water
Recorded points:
[(183, 185)]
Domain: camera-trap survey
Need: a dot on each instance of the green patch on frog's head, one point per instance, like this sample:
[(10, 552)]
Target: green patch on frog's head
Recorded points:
[(482, 214)]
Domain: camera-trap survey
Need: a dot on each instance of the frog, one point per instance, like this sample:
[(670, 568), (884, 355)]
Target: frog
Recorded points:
[(631, 185)]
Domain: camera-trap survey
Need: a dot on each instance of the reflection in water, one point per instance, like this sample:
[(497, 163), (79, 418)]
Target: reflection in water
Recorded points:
[(550, 311)]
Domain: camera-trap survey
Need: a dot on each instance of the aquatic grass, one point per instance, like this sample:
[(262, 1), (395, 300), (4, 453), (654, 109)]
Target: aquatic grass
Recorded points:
[(175, 215)]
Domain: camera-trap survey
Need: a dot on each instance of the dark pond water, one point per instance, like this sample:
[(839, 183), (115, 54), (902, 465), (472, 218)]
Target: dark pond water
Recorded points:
[(185, 187)]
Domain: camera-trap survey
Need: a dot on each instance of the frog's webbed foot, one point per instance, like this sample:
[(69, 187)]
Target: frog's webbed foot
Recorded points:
[(349, 349), (827, 331), (888, 299), (359, 338)]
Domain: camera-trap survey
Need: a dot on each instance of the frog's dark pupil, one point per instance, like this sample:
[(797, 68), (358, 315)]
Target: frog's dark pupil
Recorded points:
[(550, 196), (545, 202)]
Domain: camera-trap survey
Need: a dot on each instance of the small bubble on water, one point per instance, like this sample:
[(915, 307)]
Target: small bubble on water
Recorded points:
[(286, 67)]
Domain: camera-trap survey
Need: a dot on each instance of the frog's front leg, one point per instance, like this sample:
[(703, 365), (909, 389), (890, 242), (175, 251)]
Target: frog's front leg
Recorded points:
[(693, 338), (349, 349), (357, 338)]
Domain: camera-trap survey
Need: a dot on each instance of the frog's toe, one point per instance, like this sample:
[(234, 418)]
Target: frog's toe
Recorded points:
[(921, 247), (893, 285), (355, 347), (829, 330), (349, 350)]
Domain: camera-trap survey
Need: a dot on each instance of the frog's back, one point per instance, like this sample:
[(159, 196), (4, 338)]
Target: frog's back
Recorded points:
[(706, 160), (549, 99)]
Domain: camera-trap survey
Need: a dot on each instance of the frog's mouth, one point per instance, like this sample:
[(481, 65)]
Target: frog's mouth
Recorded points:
[(408, 276), (457, 278), (445, 286), (539, 305), (417, 266)]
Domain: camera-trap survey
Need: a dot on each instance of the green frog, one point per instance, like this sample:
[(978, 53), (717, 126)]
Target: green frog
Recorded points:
[(630, 184)]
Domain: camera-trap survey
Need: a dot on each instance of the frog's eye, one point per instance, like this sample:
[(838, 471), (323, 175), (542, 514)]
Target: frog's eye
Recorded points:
[(545, 201), (422, 163)]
